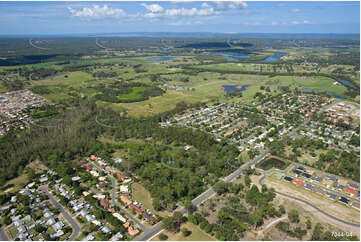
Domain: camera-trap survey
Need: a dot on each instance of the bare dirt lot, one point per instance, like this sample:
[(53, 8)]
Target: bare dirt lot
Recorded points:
[(331, 207)]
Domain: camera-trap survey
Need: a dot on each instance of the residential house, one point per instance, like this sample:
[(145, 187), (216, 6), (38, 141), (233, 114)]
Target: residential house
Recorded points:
[(124, 189), (125, 200), (119, 217)]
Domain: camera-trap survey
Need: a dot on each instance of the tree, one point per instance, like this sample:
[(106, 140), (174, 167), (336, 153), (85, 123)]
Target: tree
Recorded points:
[(163, 237), (293, 216), (188, 205), (99, 214), (309, 223), (39, 228), (282, 209), (317, 232), (247, 180), (220, 187), (6, 220), (186, 232), (300, 232), (173, 223), (192, 219), (283, 226)]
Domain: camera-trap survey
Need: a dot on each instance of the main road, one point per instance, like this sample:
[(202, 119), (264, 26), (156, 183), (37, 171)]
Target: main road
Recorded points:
[(202, 197), (74, 225)]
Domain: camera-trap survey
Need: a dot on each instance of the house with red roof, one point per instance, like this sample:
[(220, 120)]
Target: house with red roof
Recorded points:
[(120, 176), (351, 191), (297, 182), (125, 200), (136, 209), (104, 203), (86, 167)]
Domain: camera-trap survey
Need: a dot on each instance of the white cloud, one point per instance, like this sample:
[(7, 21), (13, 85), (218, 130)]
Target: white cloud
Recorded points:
[(205, 5), (188, 12), (301, 22), (153, 11), (97, 12), (295, 10), (237, 4), (222, 5), (154, 8)]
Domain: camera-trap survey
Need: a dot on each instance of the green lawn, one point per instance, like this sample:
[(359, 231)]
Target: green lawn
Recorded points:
[(134, 94)]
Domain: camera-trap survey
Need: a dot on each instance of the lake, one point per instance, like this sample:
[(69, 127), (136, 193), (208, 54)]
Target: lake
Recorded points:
[(51, 76), (162, 58), (348, 83), (329, 93), (233, 88), (274, 57), (241, 55)]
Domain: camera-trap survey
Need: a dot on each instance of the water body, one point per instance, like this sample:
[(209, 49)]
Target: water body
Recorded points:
[(348, 83), (228, 58), (241, 55), (162, 58), (51, 76), (233, 88), (274, 57), (329, 93)]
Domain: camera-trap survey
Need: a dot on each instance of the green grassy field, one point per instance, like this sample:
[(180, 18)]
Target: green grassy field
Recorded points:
[(135, 93), (155, 105)]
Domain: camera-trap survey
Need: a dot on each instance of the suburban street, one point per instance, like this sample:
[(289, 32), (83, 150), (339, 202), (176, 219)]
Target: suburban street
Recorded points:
[(114, 199), (74, 225)]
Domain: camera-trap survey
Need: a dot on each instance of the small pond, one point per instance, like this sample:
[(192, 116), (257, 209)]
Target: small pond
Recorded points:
[(348, 83), (329, 93), (162, 58), (233, 88)]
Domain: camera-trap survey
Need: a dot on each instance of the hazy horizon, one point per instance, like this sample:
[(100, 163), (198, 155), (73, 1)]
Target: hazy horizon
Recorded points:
[(74, 18)]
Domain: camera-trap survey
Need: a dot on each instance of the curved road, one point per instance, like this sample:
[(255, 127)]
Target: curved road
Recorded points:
[(313, 206), (74, 225), (275, 221)]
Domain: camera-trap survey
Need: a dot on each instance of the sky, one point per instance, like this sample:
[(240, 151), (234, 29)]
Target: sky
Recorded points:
[(71, 17)]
